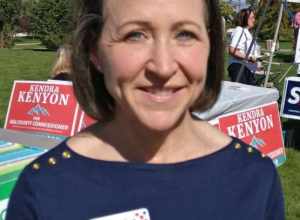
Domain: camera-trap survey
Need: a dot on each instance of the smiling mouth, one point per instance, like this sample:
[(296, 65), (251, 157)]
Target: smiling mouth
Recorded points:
[(160, 94)]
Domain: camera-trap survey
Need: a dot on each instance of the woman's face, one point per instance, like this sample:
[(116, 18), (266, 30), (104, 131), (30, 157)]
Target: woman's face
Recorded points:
[(251, 20), (297, 18), (153, 55)]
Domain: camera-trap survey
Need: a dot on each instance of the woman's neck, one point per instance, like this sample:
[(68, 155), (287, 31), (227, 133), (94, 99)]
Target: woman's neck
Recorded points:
[(134, 142), (127, 142)]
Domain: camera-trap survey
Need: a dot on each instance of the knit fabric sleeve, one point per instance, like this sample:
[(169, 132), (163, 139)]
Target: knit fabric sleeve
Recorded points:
[(22, 204), (275, 205)]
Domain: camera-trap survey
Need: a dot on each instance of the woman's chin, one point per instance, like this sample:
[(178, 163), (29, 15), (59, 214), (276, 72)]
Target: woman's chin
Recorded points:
[(160, 121)]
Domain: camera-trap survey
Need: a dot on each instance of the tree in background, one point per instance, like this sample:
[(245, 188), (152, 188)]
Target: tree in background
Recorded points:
[(9, 12), (24, 17), (252, 3), (270, 21), (51, 21), (228, 13)]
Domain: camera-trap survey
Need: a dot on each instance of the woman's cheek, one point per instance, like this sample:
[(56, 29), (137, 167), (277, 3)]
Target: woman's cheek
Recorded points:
[(195, 63), (127, 64)]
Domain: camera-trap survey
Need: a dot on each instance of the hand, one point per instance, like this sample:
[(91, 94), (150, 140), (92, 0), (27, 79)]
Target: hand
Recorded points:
[(252, 59)]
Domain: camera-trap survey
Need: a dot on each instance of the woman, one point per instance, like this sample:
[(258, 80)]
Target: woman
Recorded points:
[(241, 39), (140, 70), (62, 66), (295, 25)]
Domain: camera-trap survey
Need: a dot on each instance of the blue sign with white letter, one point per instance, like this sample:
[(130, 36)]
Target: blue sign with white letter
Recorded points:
[(290, 106)]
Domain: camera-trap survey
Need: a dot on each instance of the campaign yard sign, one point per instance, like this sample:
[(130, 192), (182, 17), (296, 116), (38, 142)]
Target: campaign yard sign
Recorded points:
[(83, 121), (3, 206), (41, 106), (260, 127), (290, 105)]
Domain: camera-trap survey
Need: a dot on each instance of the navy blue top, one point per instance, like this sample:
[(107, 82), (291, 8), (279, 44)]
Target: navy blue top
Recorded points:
[(233, 183)]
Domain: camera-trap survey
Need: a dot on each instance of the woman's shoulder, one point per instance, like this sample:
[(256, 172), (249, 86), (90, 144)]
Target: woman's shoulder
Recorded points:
[(54, 158), (250, 163), (242, 156), (238, 29), (211, 136), (248, 155), (59, 165), (89, 145), (98, 143)]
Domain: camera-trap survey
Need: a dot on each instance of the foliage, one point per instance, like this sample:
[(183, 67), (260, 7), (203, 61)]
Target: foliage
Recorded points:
[(9, 12), (7, 36), (27, 6), (34, 64), (228, 13), (25, 13), (51, 21), (270, 22), (252, 2)]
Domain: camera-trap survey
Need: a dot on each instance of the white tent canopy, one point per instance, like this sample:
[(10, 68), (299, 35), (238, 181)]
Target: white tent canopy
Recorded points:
[(294, 1)]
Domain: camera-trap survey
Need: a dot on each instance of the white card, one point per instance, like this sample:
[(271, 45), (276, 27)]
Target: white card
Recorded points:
[(137, 214)]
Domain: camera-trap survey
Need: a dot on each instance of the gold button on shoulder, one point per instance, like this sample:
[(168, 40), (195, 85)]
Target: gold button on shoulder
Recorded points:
[(36, 166), (52, 161), (66, 154), (237, 146), (250, 150)]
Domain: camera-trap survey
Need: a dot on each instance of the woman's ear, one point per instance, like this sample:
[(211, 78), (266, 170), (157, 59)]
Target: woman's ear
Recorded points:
[(95, 59)]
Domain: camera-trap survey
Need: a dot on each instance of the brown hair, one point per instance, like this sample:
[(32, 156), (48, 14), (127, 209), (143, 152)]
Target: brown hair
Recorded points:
[(89, 84), (243, 15)]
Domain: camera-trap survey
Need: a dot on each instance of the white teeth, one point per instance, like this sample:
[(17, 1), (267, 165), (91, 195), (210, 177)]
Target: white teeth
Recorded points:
[(160, 92)]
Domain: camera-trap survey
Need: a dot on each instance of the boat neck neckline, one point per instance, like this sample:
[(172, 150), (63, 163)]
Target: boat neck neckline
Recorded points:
[(201, 159)]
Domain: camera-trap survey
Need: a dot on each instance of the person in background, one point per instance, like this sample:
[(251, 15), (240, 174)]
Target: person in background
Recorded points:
[(296, 25), (241, 39), (62, 67), (141, 71)]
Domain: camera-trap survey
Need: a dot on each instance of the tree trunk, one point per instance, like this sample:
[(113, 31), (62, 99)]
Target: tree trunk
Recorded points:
[(1, 39)]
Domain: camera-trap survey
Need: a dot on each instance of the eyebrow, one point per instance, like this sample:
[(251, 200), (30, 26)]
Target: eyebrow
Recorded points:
[(135, 22), (187, 22), (174, 26)]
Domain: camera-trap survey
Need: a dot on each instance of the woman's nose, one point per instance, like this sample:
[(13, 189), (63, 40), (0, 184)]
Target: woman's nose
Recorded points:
[(162, 61)]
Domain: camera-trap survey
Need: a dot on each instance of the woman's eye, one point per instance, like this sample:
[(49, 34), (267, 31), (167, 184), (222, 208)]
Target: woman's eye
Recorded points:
[(135, 36), (186, 35)]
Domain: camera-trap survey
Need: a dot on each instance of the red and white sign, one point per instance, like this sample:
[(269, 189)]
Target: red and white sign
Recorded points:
[(42, 107), (259, 127), (83, 121)]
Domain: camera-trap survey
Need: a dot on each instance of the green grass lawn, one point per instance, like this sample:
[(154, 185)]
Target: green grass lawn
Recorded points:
[(290, 178), (33, 62)]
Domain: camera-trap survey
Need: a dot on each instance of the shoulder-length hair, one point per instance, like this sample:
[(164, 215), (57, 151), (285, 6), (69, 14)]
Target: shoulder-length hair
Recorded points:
[(89, 86), (243, 15)]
